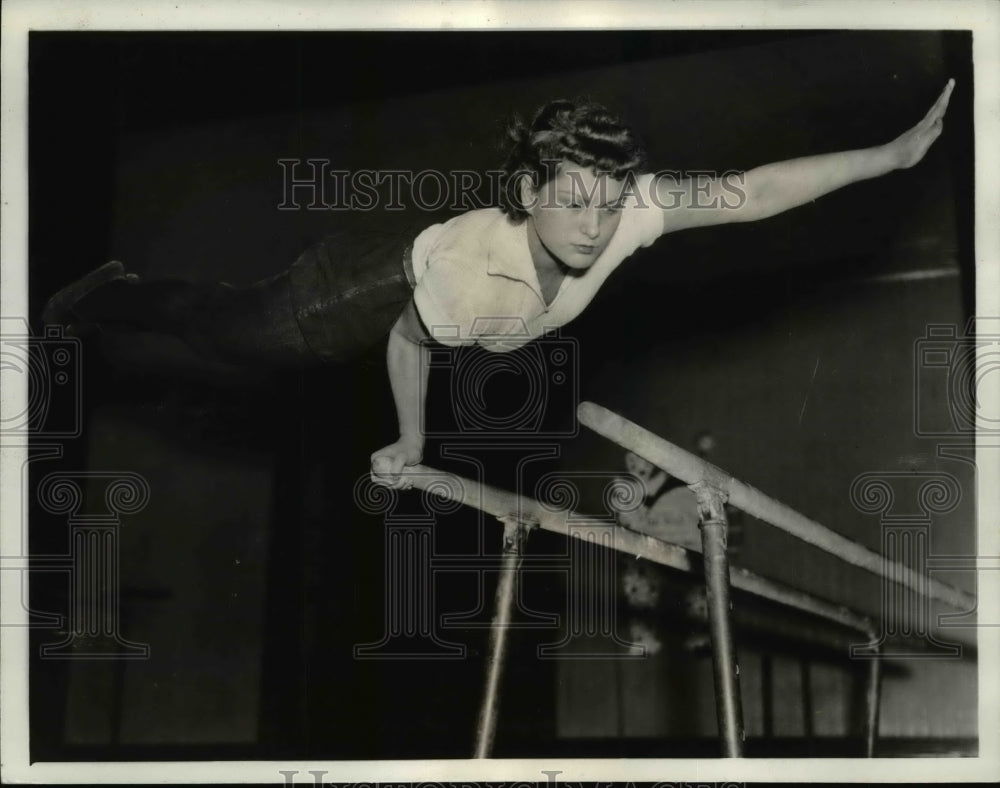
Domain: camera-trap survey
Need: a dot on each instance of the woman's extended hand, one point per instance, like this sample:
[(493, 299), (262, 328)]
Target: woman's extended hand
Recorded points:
[(910, 146), (388, 463)]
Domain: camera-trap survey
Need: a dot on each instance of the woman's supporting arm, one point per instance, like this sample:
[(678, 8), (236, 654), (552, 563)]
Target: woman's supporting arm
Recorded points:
[(772, 188), (408, 371)]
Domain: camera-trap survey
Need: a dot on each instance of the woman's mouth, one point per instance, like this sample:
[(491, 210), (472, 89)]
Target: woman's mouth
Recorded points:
[(584, 248)]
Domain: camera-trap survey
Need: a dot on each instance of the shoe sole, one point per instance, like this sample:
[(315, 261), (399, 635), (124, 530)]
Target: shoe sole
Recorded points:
[(59, 309)]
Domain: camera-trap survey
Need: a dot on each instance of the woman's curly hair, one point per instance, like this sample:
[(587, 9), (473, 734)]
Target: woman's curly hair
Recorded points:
[(584, 133)]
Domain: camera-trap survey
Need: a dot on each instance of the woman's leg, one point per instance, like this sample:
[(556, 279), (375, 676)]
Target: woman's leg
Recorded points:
[(248, 325), (340, 297)]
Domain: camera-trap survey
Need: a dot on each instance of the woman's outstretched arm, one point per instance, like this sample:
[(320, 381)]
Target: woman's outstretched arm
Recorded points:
[(772, 188), (407, 362)]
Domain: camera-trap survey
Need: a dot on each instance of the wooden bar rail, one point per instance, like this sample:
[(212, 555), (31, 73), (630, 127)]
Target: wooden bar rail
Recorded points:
[(691, 469), (506, 505)]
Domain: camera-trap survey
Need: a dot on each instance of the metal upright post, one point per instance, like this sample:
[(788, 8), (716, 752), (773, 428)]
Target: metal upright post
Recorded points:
[(515, 534), (872, 701), (728, 705)]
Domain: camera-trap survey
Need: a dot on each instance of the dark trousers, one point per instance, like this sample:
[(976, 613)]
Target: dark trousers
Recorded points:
[(247, 325), (339, 298)]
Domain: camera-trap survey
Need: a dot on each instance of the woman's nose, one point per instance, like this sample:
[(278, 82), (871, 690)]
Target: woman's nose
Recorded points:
[(590, 224)]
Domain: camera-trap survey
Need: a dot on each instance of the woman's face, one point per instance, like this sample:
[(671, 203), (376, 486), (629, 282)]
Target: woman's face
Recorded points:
[(572, 217)]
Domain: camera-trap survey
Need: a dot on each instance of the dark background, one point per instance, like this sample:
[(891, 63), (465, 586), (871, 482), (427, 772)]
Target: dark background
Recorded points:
[(161, 150)]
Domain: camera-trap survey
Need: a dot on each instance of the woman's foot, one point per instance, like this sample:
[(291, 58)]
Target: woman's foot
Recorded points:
[(59, 309)]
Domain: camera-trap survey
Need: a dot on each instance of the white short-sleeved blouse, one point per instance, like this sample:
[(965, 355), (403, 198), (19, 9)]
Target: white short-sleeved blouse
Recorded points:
[(476, 282)]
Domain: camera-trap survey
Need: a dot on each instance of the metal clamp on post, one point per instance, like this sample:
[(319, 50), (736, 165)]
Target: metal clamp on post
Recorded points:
[(711, 503), (713, 524), (515, 533)]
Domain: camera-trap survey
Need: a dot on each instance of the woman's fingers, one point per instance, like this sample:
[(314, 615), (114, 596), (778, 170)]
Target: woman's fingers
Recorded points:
[(938, 109), (381, 465), (387, 470), (397, 464), (945, 97), (401, 482)]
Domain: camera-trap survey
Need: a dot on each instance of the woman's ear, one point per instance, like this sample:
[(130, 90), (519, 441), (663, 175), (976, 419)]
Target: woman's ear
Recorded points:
[(527, 193)]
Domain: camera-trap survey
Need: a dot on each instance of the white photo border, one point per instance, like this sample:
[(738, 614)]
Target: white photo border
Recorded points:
[(22, 16)]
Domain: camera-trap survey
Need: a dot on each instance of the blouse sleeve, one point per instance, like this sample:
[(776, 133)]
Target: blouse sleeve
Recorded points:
[(445, 300)]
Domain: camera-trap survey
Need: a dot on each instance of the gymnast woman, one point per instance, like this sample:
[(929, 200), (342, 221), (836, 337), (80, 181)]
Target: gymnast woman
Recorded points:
[(576, 201)]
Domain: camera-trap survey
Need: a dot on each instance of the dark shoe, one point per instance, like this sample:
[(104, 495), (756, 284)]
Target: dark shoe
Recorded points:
[(59, 309)]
